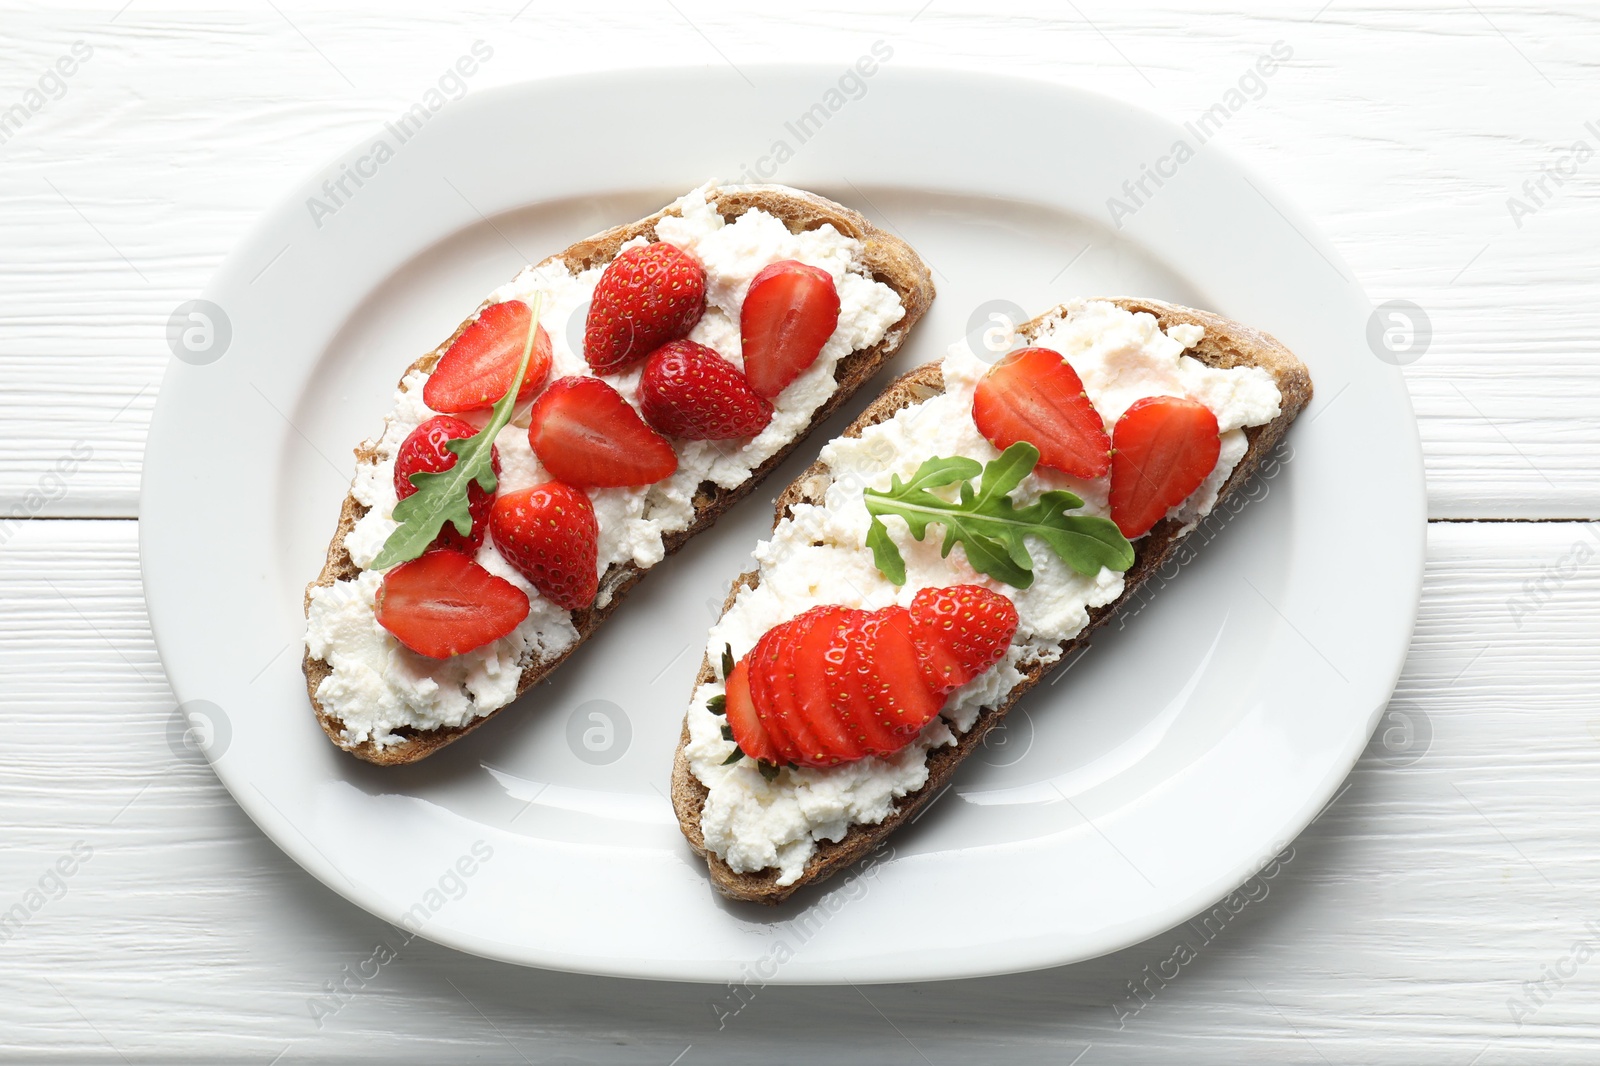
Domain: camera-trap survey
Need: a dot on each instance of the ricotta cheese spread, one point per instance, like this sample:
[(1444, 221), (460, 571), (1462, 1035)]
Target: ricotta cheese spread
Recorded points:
[(818, 555), (377, 685)]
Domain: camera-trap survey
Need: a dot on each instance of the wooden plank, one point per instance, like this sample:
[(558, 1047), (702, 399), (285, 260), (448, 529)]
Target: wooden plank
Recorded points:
[(1445, 875), (119, 199)]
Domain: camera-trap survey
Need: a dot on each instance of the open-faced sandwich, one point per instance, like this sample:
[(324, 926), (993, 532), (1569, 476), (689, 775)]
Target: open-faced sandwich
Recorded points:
[(527, 478), (959, 541)]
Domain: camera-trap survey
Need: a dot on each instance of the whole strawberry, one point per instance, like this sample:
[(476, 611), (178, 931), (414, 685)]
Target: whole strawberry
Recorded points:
[(550, 535), (424, 450), (646, 297), (688, 390)]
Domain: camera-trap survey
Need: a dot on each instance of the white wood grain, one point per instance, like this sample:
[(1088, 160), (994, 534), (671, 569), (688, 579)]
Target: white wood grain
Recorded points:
[(1401, 130), (1406, 918)]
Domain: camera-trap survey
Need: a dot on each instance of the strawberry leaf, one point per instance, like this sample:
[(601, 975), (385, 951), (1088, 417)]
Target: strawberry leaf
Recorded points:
[(441, 496), (987, 522)]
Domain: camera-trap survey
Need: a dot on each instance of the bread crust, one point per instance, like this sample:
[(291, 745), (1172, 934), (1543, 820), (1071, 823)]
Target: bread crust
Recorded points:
[(1226, 344), (885, 257)]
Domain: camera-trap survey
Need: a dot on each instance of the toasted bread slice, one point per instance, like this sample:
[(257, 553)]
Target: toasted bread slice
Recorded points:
[(885, 257), (1226, 344)]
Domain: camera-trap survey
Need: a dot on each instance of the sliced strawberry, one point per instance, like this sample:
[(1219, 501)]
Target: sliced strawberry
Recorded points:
[(1033, 394), (586, 434), (748, 731), (764, 686), (835, 684), (442, 604), (824, 641), (762, 660), (688, 390), (959, 632), (773, 690), (846, 668), (1164, 447), (550, 535), (478, 368), (789, 313), (900, 696), (646, 297), (424, 451)]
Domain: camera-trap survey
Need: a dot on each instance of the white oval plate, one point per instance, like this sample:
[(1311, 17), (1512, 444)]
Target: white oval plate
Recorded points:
[(1135, 790)]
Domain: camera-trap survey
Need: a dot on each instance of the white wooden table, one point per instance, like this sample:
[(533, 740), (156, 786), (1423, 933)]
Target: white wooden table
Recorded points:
[(1443, 909)]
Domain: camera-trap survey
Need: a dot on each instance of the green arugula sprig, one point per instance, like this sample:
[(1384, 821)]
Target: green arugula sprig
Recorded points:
[(988, 523), (442, 496)]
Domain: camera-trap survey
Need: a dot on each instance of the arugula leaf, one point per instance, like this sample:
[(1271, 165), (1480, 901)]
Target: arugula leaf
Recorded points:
[(935, 472), (885, 555), (988, 523), (441, 496)]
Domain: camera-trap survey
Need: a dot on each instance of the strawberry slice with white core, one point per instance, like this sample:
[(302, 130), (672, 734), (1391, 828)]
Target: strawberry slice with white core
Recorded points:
[(1034, 395), (1163, 448), (481, 363), (442, 604), (586, 434), (789, 312)]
